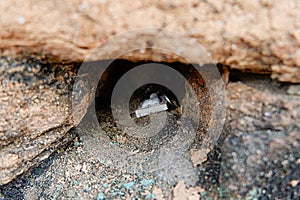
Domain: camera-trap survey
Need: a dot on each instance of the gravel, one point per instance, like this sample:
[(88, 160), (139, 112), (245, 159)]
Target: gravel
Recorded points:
[(255, 164)]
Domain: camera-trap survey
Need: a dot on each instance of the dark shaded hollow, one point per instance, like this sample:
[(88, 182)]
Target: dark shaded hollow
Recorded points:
[(119, 68)]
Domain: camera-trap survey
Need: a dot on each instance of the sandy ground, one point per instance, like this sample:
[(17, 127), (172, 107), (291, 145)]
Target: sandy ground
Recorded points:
[(262, 164)]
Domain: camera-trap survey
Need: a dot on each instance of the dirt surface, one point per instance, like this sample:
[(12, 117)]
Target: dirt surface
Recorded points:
[(42, 44), (258, 36), (77, 172), (258, 159), (261, 152)]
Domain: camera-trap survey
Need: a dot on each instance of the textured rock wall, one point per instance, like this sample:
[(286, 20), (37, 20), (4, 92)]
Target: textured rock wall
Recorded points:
[(264, 129), (259, 36), (35, 112)]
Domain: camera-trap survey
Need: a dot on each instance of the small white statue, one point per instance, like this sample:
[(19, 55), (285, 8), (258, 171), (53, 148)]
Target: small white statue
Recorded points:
[(152, 105)]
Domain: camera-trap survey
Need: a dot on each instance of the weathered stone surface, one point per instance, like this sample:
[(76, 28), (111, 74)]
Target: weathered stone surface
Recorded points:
[(35, 102), (35, 97), (263, 144), (255, 107), (257, 36)]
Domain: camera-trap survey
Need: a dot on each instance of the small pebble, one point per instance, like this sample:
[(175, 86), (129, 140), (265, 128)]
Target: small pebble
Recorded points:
[(129, 185), (294, 183), (150, 196), (100, 196), (147, 182), (58, 187), (76, 144), (105, 185), (87, 189)]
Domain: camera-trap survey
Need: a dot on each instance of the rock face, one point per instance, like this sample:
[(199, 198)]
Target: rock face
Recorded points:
[(256, 36), (35, 113), (35, 91), (264, 138)]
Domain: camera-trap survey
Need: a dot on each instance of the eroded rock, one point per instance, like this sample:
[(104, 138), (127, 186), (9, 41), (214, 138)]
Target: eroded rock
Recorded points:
[(256, 36)]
